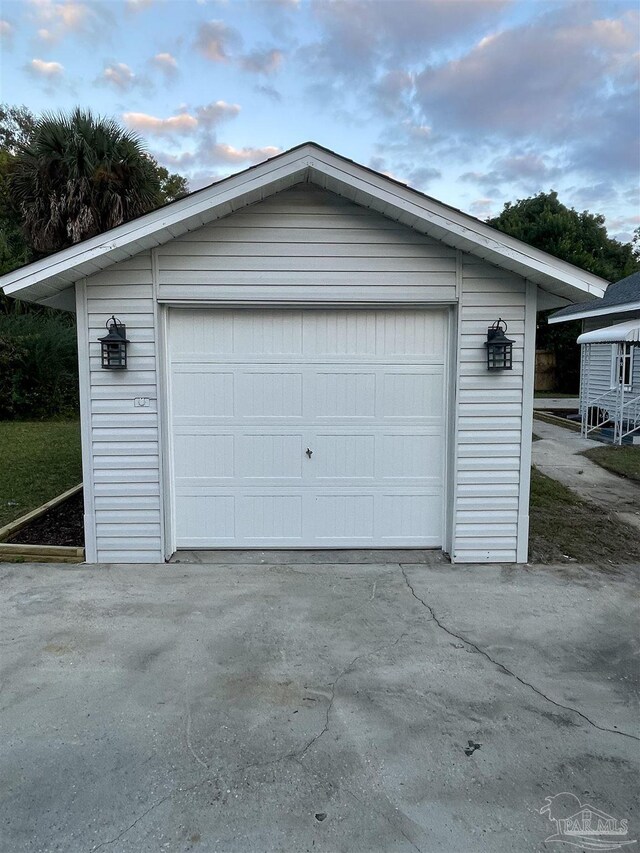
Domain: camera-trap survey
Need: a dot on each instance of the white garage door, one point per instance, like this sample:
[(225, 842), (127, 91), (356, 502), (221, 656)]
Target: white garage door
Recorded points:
[(307, 428)]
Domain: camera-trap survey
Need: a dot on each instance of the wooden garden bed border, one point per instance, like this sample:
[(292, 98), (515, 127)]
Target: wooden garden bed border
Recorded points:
[(39, 553)]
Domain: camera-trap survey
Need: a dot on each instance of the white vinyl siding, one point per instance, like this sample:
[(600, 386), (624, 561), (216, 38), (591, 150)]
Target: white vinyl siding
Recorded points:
[(123, 437), (489, 418), (306, 244), (601, 363)]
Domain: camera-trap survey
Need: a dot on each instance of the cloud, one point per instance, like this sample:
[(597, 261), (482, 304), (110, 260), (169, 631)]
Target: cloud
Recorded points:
[(6, 31), (203, 119), (174, 125), (610, 144), (166, 63), (623, 227), (530, 80), (214, 40), (406, 172), (220, 152), (530, 170), (390, 90), (482, 208), (202, 162), (56, 20), (270, 92), (358, 34), (220, 43), (138, 5), (120, 75), (261, 61), (421, 176), (43, 68), (215, 112)]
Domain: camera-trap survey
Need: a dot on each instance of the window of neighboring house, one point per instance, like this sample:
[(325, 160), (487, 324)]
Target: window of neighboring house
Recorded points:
[(624, 366)]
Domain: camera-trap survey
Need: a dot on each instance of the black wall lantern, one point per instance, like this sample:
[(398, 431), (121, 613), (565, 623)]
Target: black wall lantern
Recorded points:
[(499, 347), (114, 346)]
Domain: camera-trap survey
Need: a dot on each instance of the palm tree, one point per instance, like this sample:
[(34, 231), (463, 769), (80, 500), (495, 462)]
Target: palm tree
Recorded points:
[(79, 175)]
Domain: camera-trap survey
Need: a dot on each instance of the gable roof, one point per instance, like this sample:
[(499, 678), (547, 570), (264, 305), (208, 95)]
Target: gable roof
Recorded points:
[(43, 280), (623, 295)]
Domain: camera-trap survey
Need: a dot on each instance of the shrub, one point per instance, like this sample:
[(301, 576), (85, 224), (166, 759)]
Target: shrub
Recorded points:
[(38, 365)]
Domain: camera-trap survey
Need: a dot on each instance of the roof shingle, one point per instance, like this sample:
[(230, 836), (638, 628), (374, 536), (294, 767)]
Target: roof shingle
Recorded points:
[(620, 293)]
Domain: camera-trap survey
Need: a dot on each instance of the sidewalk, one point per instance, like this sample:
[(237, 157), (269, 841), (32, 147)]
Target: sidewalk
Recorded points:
[(557, 455), (550, 404)]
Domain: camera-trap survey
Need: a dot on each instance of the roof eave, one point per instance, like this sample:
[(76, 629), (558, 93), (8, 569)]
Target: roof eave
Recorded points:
[(43, 279), (602, 311)]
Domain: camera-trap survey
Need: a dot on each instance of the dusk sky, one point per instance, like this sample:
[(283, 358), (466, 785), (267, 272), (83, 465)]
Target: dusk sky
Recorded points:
[(475, 103)]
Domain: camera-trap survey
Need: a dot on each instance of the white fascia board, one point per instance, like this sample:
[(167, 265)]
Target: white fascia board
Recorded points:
[(467, 233), (597, 312), (203, 203)]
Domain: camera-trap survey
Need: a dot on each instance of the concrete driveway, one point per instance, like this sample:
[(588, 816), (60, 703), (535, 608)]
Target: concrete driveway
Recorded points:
[(301, 706)]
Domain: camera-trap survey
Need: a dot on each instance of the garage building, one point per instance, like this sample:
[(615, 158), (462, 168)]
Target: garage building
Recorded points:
[(306, 367)]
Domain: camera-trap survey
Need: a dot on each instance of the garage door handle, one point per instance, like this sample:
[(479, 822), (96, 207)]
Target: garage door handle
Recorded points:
[(309, 452)]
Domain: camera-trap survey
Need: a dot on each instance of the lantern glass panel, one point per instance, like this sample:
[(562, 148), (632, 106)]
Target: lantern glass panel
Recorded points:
[(114, 355), (499, 357)]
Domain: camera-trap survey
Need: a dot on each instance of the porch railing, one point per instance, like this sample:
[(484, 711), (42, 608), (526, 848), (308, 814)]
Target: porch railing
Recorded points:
[(612, 407), (599, 411)]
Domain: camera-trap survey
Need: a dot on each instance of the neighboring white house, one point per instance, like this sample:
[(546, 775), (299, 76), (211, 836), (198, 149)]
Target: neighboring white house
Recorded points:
[(610, 355), (306, 368)]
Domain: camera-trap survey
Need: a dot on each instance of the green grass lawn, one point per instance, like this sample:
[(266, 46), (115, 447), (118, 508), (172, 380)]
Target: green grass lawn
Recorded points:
[(41, 459), (562, 525), (621, 460)]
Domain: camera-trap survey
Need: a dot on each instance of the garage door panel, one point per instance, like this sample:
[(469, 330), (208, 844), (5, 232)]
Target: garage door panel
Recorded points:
[(265, 517), (411, 333), (270, 333), (406, 518), (201, 518), (343, 394), (342, 457), (245, 412), (201, 392), (203, 456), (412, 456), (194, 331), (345, 517), (341, 333), (269, 394), (274, 456), (415, 394)]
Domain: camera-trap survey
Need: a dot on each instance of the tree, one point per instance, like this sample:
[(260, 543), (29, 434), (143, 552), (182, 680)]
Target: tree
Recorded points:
[(14, 251), (62, 179), (22, 137), (172, 186), (580, 238), (78, 176), (16, 126)]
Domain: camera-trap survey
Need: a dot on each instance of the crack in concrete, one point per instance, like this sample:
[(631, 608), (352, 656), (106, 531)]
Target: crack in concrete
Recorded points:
[(187, 733), (506, 669), (136, 821), (388, 820), (175, 792), (332, 686)]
